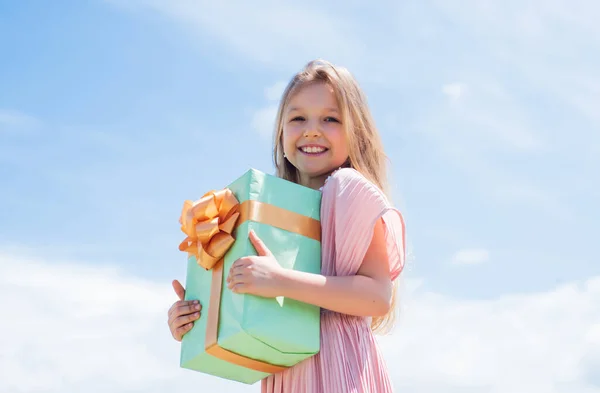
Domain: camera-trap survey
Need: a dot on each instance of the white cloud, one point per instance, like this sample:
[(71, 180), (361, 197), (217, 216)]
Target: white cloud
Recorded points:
[(11, 119), (520, 43), (538, 342), (72, 328), (454, 90), (471, 256), (265, 31), (274, 93), (512, 191), (488, 116), (479, 130), (263, 121)]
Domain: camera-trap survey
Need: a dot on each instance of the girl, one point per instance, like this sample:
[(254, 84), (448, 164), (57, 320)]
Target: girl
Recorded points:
[(325, 138)]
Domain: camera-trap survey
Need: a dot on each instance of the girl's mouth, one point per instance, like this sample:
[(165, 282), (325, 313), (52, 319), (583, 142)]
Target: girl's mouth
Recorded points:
[(313, 150)]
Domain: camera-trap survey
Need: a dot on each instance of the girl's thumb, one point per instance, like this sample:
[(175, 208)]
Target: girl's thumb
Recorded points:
[(179, 290)]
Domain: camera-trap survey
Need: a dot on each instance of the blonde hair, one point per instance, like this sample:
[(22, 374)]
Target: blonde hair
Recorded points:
[(366, 153)]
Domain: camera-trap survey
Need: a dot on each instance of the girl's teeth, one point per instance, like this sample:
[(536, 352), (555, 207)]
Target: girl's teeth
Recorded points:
[(312, 149)]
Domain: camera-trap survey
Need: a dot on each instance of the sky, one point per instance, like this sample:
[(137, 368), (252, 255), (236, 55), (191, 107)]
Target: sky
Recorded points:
[(113, 112)]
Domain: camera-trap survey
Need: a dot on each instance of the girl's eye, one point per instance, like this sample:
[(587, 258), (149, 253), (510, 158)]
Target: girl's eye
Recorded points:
[(298, 118), (333, 119)]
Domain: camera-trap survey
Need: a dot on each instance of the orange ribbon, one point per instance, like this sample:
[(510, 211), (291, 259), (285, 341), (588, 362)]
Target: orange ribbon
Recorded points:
[(208, 224)]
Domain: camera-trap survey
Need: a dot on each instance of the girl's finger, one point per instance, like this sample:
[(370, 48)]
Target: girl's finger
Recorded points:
[(181, 331), (239, 288), (187, 311), (184, 307), (185, 319), (179, 289), (189, 308), (259, 246), (242, 262), (236, 278), (235, 272)]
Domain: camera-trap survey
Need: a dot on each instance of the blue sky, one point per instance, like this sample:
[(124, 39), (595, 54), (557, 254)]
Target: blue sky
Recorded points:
[(112, 113)]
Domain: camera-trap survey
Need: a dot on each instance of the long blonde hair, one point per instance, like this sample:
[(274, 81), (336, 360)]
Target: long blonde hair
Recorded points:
[(366, 153)]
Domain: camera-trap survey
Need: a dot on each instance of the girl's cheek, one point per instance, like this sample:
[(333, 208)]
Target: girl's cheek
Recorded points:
[(289, 137), (292, 133), (335, 133)]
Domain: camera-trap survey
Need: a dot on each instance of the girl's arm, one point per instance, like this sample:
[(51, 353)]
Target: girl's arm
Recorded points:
[(368, 293)]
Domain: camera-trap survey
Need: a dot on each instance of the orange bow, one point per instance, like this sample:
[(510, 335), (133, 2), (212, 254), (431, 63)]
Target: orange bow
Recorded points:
[(208, 224)]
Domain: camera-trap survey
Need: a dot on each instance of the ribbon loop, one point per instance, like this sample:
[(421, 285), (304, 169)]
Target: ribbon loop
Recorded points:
[(208, 224)]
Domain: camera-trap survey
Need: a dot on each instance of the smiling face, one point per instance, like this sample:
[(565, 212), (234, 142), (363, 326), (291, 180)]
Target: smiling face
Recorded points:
[(314, 140)]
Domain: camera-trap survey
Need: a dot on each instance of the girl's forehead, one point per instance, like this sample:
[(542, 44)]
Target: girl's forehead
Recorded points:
[(320, 96)]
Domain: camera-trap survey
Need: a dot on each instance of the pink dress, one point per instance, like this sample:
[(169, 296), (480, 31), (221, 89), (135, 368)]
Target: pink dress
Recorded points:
[(349, 360)]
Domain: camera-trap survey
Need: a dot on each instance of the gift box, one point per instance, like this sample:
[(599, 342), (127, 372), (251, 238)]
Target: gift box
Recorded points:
[(244, 337)]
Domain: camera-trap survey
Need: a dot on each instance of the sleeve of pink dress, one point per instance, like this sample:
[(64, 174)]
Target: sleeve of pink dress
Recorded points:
[(357, 205), (349, 359)]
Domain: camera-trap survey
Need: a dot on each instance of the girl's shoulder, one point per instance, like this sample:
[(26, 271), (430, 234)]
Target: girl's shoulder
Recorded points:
[(348, 182), (353, 205), (344, 175)]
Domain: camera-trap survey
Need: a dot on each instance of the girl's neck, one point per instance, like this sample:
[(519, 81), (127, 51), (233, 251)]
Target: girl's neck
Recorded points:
[(312, 182), (317, 182)]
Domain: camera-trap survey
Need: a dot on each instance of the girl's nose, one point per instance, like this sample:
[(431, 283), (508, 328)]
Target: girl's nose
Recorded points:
[(311, 131)]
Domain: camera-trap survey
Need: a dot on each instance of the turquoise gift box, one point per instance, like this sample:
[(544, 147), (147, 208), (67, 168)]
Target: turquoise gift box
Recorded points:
[(244, 337)]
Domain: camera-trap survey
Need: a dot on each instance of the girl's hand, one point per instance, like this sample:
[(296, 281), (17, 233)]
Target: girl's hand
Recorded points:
[(256, 275), (182, 313)]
